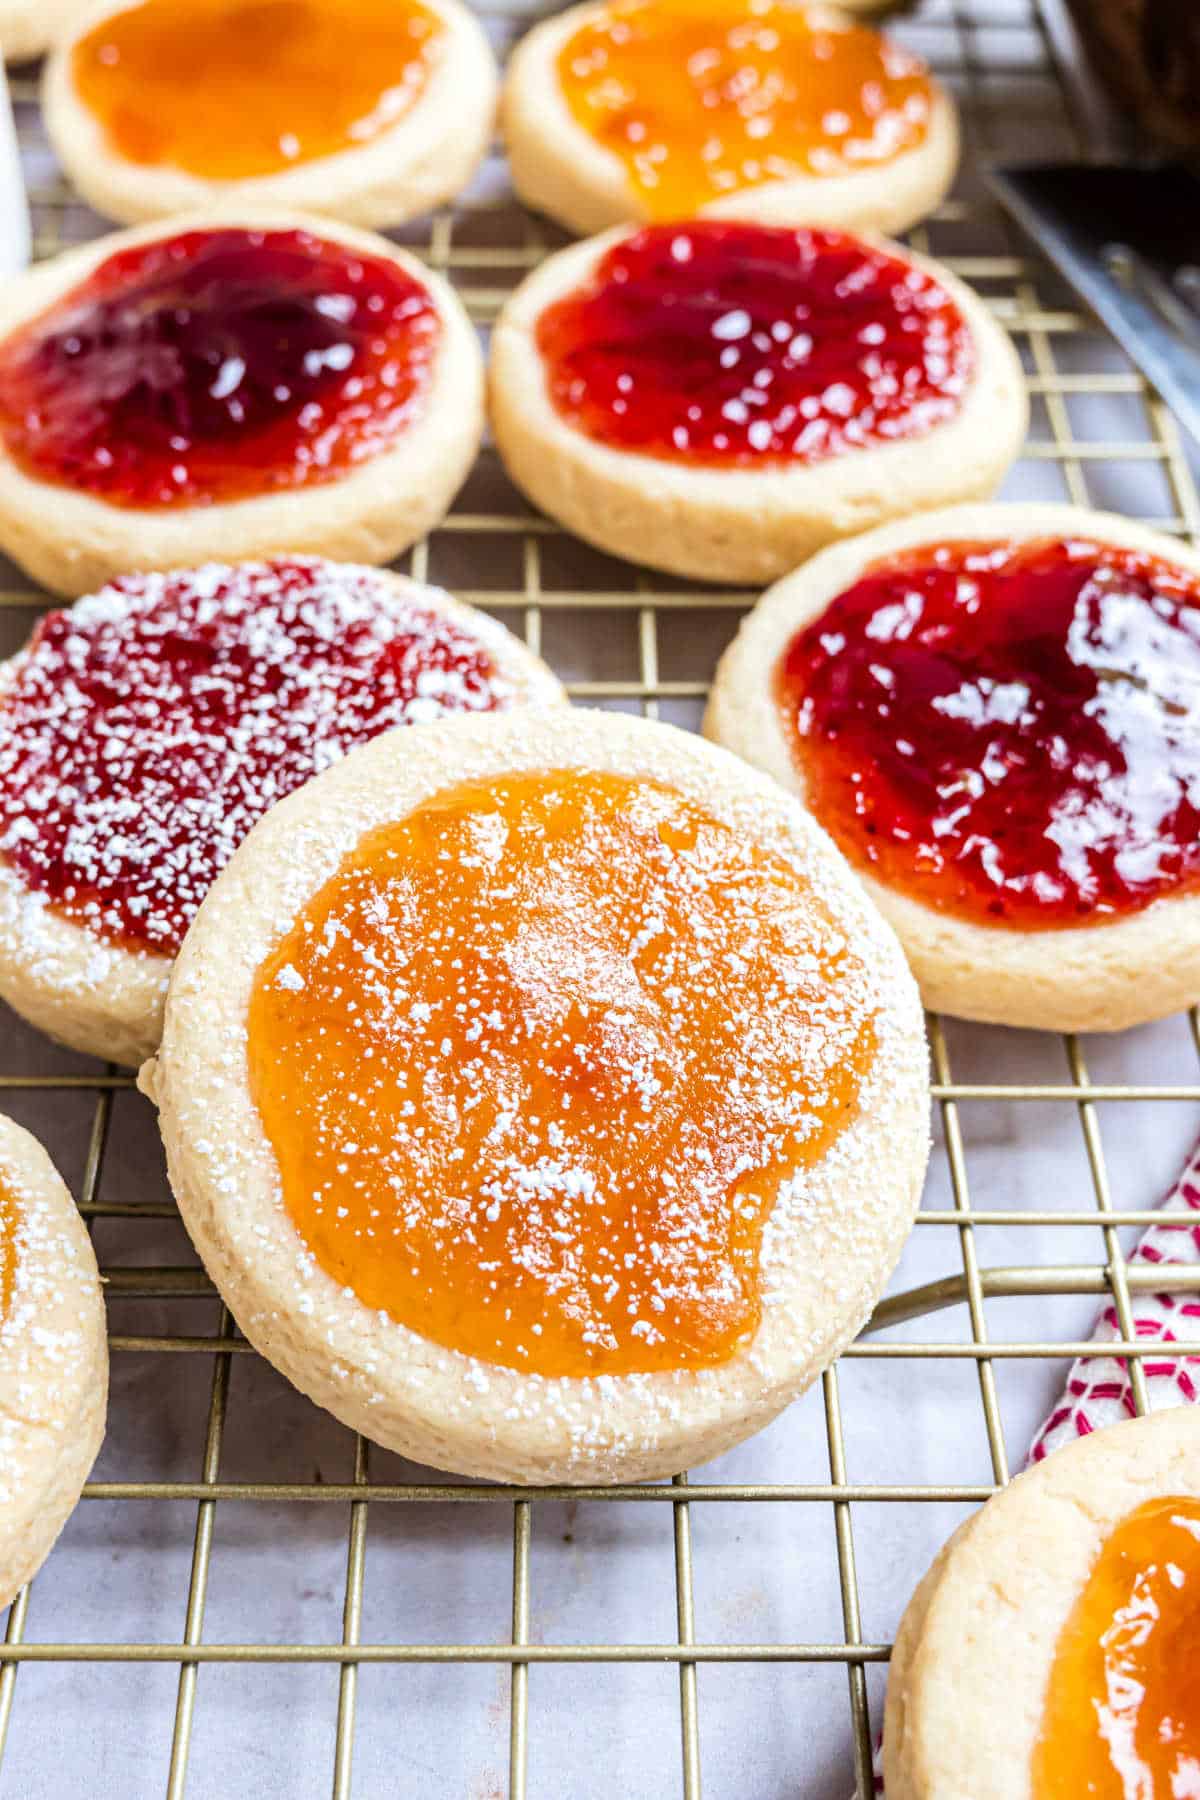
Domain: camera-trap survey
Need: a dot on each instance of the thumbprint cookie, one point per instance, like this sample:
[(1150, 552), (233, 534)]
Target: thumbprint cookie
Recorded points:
[(719, 399), (229, 386), (752, 109), (53, 1357), (1051, 1650), (543, 1096), (144, 731), (996, 713), (371, 110), (29, 27)]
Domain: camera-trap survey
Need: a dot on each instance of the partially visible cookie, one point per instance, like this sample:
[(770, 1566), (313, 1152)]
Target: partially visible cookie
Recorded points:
[(1049, 1651), (162, 106), (226, 385), (790, 114), (146, 729), (721, 399), (996, 712), (53, 1357)]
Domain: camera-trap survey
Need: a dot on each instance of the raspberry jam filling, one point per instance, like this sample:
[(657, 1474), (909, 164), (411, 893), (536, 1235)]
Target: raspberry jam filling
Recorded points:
[(744, 345), (149, 727), (1008, 731), (218, 365), (701, 98), (1122, 1711), (226, 89), (536, 1060)]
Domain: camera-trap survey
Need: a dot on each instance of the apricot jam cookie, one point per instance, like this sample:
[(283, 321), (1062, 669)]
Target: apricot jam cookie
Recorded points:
[(996, 713), (750, 109), (543, 1096), (229, 385), (1050, 1652), (145, 730), (53, 1357), (160, 106), (720, 399)]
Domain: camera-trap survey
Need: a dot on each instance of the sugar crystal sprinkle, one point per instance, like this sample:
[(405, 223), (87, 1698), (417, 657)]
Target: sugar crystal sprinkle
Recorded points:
[(148, 727), (537, 1061)]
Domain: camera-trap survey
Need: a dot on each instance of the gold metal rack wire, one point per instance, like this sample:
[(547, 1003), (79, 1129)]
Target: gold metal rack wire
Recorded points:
[(632, 640)]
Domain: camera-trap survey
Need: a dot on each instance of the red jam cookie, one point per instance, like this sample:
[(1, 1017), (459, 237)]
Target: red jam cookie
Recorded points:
[(536, 1060), (229, 89), (1008, 731), (1122, 1714), (145, 730), (702, 98), (217, 365), (732, 345)]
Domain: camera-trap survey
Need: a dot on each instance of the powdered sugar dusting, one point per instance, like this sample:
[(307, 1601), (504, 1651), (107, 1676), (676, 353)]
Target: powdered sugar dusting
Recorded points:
[(150, 726)]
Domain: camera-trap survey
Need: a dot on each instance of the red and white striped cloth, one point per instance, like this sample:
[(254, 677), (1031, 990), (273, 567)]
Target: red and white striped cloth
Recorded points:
[(1097, 1390)]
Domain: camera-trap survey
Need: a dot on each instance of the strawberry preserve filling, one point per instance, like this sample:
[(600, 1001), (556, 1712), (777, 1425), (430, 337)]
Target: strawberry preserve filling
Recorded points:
[(1008, 731), (229, 89), (540, 1059), (218, 365), (703, 98), (149, 727), (1122, 1710), (744, 345)]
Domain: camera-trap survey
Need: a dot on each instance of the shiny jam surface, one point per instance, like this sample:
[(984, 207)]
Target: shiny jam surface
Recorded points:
[(1122, 1713), (700, 98), (217, 365), (743, 344), (1008, 731), (227, 89), (534, 1061), (151, 725)]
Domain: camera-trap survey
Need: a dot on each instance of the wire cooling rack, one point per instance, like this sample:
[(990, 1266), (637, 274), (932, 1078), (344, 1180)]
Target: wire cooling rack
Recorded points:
[(251, 1601)]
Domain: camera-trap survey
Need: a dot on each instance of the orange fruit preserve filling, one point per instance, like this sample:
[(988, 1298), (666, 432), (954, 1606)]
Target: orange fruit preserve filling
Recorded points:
[(1122, 1715), (700, 98), (226, 89), (536, 1060), (9, 1218)]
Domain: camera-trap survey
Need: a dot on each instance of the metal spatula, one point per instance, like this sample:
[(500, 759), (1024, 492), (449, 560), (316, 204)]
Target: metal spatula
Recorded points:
[(1127, 238)]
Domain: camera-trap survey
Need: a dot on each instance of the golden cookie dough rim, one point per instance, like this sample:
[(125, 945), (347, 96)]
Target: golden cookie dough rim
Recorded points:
[(340, 180), (809, 487), (47, 1457), (50, 961), (32, 26), (536, 119), (209, 998), (154, 537), (1057, 957), (966, 1714)]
